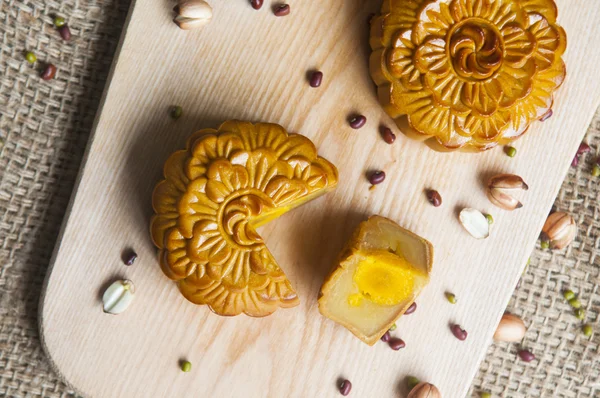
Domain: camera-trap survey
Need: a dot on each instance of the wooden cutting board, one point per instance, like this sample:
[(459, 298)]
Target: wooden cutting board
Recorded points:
[(251, 65)]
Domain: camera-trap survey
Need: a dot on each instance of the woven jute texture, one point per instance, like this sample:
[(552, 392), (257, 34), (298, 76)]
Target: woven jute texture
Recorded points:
[(567, 362), (44, 127)]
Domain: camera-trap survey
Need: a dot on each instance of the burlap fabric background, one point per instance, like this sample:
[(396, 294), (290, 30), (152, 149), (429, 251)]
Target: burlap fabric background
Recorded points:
[(44, 127)]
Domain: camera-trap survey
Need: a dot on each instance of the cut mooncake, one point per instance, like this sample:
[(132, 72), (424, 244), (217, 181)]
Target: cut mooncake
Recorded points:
[(215, 193), (379, 274), (468, 74)]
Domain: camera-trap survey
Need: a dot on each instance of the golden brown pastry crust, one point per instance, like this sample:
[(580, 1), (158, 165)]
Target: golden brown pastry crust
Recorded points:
[(213, 196), (467, 74)]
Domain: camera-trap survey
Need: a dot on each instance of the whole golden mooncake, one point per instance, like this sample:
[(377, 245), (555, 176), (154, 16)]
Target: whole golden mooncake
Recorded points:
[(379, 274), (468, 74), (215, 193)]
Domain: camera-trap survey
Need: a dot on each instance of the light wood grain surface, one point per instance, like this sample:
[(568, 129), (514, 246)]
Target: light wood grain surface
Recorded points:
[(251, 65)]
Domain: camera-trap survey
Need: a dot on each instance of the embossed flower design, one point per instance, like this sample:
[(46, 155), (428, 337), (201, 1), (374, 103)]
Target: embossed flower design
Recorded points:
[(214, 195), (469, 74)]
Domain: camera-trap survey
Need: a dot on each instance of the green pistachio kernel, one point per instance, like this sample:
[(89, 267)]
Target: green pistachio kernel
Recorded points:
[(544, 244), (485, 395), (489, 218), (596, 171), (580, 313), (393, 327), (510, 151)]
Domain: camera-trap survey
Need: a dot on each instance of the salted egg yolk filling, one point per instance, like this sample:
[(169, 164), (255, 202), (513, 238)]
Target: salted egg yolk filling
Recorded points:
[(383, 278)]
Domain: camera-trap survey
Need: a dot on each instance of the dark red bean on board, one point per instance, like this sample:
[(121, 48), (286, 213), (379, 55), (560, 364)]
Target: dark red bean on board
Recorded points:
[(388, 136), (386, 337), (316, 79), (256, 4), (526, 355), (459, 332), (65, 32), (49, 72), (377, 177), (434, 197), (357, 121), (546, 115), (281, 10), (411, 309), (345, 387), (129, 258), (396, 343)]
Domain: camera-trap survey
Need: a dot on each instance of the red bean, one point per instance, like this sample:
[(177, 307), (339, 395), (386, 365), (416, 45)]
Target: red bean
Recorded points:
[(316, 78), (459, 332), (411, 309), (345, 387), (281, 10), (396, 343), (357, 121)]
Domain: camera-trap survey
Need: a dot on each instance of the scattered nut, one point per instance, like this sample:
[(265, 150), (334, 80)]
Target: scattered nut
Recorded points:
[(544, 244), (387, 134), (560, 229), (490, 218), (118, 296), (59, 22), (411, 309), (345, 387), (485, 395), (30, 57), (459, 332), (186, 366), (357, 121), (575, 161), (256, 4), (316, 78), (583, 148), (526, 355), (569, 294), (386, 337), (546, 115), (130, 257), (510, 329), (451, 297), (475, 223), (500, 187), (281, 10), (412, 382), (580, 314), (587, 330), (192, 14), (396, 343), (434, 197), (596, 171), (393, 327), (176, 112), (377, 177), (65, 32), (425, 390), (510, 151), (49, 72), (575, 303)]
